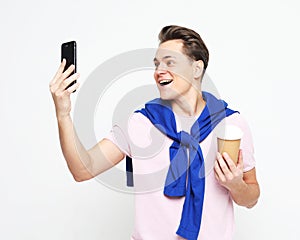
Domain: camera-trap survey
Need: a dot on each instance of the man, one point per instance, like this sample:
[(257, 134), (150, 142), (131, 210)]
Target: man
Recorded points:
[(200, 184)]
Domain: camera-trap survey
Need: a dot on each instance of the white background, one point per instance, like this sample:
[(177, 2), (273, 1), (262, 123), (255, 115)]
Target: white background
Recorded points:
[(254, 62)]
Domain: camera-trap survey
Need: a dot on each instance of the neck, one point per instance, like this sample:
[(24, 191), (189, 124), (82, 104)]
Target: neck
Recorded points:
[(188, 106)]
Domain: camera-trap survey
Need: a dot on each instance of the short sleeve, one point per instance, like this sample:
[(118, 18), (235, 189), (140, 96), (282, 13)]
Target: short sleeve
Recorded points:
[(136, 137), (118, 137)]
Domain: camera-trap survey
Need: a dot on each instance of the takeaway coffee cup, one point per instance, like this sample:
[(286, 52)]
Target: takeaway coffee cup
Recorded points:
[(229, 140)]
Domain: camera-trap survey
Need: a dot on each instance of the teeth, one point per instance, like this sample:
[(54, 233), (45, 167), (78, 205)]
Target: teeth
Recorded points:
[(165, 81)]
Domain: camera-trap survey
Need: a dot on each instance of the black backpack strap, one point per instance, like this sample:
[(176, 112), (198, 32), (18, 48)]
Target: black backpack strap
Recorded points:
[(129, 171)]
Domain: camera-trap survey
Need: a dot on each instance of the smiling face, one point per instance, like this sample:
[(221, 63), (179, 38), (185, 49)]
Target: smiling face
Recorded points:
[(175, 72)]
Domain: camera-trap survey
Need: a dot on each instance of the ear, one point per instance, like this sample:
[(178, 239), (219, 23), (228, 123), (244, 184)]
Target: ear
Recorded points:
[(198, 68)]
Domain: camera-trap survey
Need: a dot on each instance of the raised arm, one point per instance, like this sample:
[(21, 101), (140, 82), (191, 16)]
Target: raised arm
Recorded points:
[(83, 164)]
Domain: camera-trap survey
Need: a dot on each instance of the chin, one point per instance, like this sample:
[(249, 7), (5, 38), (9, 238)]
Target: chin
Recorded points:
[(167, 97), (168, 94)]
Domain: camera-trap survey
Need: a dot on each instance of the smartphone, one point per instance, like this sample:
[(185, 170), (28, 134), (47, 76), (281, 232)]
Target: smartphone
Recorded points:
[(68, 52)]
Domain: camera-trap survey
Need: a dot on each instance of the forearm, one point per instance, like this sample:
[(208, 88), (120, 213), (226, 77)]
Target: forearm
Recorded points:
[(76, 156), (245, 194)]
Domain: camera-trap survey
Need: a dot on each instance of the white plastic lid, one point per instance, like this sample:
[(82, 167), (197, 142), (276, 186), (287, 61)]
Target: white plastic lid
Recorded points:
[(229, 132)]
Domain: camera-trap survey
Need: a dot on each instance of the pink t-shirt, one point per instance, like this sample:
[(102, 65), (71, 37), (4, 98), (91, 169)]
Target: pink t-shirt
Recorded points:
[(157, 216)]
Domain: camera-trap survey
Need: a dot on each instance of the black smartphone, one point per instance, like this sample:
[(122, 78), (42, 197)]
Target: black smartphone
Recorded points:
[(68, 52)]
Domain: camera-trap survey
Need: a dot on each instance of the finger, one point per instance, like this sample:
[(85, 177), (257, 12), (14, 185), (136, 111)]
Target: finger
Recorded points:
[(68, 81), (59, 72), (73, 87), (216, 176), (68, 71), (224, 167), (62, 77), (240, 163), (222, 164), (63, 85), (218, 173), (229, 162)]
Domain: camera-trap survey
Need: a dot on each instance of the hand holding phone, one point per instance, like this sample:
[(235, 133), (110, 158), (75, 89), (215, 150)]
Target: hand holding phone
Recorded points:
[(62, 84), (68, 52)]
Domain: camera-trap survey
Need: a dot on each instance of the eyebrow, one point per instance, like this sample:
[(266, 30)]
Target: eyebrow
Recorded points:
[(165, 57)]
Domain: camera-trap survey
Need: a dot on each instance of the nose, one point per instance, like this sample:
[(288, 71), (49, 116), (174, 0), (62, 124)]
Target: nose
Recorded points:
[(159, 72)]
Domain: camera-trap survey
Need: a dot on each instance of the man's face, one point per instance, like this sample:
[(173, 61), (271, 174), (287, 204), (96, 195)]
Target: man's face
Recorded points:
[(174, 71)]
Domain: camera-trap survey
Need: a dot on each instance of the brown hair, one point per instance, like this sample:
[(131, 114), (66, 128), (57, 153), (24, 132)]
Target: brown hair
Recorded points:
[(193, 45)]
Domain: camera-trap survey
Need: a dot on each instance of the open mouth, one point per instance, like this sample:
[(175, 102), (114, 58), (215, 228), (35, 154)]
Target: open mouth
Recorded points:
[(165, 82)]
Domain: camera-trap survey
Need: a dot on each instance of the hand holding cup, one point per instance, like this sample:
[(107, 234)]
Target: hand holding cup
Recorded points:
[(229, 140)]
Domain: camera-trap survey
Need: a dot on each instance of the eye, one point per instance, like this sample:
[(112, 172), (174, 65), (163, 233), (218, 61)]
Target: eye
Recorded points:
[(156, 64), (170, 63)]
